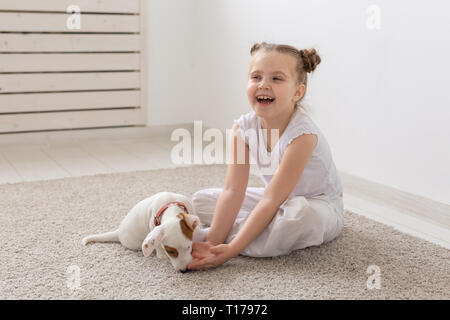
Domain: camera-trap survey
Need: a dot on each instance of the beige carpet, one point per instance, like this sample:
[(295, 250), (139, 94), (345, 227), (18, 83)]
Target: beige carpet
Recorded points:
[(42, 224)]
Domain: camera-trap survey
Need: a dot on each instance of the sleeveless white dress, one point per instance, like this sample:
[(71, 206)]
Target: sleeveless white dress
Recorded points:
[(311, 215)]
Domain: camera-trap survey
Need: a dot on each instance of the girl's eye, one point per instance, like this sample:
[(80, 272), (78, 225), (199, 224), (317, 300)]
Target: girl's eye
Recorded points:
[(259, 77)]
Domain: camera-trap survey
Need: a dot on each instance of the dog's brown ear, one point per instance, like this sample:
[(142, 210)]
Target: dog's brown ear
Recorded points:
[(188, 223)]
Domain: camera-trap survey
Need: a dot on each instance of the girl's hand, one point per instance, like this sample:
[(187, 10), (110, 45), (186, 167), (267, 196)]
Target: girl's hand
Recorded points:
[(205, 255), (201, 250)]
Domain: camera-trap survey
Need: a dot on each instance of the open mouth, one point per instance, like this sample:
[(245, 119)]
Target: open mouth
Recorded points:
[(264, 100)]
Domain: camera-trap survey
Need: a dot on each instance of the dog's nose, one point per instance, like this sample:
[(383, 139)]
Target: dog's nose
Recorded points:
[(184, 271)]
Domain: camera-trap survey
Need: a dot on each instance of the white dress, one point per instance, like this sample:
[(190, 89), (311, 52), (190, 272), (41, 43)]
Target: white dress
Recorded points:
[(311, 215)]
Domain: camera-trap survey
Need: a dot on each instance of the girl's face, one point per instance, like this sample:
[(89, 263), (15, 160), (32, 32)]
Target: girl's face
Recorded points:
[(272, 84)]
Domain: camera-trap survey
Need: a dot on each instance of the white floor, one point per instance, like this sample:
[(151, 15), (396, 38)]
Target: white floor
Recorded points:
[(43, 156), (41, 162)]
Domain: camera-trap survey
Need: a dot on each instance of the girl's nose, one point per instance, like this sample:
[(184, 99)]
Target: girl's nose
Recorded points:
[(263, 85)]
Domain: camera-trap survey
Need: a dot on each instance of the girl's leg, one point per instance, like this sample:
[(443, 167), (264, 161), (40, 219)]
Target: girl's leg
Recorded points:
[(204, 202), (299, 223)]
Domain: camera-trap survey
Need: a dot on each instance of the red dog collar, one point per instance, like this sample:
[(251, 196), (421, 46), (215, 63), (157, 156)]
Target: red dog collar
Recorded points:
[(157, 220)]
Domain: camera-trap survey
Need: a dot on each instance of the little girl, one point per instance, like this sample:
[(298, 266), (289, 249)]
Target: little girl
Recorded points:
[(301, 204)]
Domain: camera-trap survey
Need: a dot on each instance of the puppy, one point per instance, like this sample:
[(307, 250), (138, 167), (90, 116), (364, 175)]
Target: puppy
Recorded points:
[(165, 221)]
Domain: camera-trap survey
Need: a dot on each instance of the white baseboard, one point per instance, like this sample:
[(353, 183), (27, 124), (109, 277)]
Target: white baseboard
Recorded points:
[(409, 213), (401, 221)]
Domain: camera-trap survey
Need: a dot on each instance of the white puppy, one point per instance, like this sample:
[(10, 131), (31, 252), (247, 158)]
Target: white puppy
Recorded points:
[(164, 221)]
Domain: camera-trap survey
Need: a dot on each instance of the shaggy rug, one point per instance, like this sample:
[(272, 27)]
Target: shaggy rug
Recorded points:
[(43, 222)]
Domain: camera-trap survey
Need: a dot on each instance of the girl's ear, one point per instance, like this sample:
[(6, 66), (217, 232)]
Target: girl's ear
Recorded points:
[(299, 92)]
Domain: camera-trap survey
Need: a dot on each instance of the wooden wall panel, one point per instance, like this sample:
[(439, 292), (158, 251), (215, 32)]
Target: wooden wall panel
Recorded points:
[(57, 22), (34, 102), (69, 120), (53, 77), (69, 42), (105, 6)]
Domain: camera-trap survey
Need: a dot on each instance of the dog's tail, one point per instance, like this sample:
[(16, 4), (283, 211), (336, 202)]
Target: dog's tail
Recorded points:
[(112, 236)]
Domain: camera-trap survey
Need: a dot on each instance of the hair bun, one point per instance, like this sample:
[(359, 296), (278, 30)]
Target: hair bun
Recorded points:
[(310, 59)]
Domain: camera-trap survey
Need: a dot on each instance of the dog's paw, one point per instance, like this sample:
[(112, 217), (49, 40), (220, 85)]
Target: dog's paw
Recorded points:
[(83, 241)]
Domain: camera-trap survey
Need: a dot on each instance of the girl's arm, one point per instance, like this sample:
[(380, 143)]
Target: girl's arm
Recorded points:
[(233, 193), (293, 163), (227, 208)]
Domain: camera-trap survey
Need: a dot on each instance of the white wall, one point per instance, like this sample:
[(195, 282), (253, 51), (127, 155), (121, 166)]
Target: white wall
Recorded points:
[(379, 96), (170, 57)]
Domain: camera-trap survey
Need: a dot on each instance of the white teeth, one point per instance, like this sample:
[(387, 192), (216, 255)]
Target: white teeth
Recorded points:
[(264, 97)]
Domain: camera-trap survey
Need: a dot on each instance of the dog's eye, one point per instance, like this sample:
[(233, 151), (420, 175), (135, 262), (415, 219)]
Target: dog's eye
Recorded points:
[(171, 251)]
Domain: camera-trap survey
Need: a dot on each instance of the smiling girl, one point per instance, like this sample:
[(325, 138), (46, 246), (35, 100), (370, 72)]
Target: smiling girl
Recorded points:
[(301, 204)]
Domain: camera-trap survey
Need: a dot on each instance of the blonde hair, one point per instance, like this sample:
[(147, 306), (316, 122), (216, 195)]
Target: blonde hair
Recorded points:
[(307, 61)]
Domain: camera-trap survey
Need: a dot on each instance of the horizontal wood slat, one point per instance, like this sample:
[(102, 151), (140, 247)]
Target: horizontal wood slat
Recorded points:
[(54, 77), (68, 42), (68, 62), (57, 22), (70, 120), (32, 102), (68, 81), (113, 6)]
